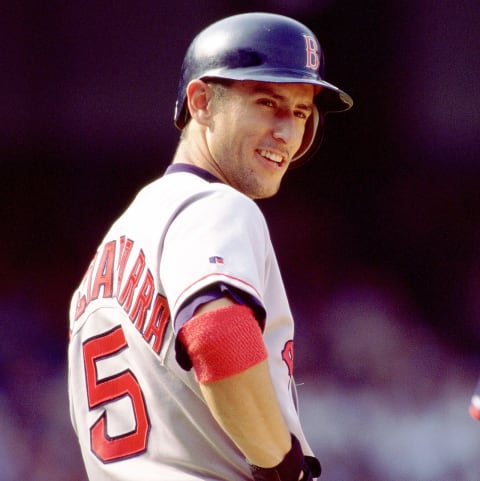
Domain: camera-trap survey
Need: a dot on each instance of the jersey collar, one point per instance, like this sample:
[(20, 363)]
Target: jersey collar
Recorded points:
[(192, 169)]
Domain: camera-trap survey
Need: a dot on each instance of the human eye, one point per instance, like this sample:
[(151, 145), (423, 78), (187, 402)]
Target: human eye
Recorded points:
[(302, 114), (302, 111), (266, 102)]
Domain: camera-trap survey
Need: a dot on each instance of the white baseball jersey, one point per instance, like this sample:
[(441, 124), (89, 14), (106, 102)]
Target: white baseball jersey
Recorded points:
[(136, 412)]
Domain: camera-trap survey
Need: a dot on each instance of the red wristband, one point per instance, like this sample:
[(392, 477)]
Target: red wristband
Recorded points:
[(223, 342)]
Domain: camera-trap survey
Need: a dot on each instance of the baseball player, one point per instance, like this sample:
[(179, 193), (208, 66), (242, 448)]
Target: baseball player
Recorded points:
[(181, 335), (474, 408)]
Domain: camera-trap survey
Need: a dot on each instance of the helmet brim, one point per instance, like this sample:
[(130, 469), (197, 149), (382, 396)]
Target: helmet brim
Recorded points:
[(329, 98)]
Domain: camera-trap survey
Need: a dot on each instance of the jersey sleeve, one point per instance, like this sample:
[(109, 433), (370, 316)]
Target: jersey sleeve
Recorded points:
[(220, 237), (214, 292)]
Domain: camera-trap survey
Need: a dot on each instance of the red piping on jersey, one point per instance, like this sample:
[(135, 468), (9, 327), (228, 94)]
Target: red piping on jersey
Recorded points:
[(210, 275)]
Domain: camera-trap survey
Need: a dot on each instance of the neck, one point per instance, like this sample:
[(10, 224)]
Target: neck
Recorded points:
[(193, 150)]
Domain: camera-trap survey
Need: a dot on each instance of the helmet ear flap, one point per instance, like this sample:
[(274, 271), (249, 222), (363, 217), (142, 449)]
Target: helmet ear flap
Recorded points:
[(312, 138), (181, 114)]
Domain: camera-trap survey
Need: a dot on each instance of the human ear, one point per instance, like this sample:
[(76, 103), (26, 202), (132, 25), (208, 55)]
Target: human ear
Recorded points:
[(198, 100)]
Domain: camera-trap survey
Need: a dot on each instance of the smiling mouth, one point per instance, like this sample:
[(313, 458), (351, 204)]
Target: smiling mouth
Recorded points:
[(271, 156)]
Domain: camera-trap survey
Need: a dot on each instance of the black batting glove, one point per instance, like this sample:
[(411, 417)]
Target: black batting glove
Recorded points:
[(293, 467)]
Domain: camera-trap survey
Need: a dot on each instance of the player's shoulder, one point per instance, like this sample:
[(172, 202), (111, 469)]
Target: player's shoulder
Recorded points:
[(191, 198), (219, 196), (230, 195), (224, 199)]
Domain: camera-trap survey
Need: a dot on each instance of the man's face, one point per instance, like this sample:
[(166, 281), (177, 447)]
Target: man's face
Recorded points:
[(256, 130)]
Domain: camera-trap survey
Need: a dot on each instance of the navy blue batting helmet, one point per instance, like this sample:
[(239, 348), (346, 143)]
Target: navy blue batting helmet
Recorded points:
[(263, 47)]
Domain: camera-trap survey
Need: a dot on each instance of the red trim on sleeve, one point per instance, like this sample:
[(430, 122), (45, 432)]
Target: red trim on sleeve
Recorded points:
[(223, 342)]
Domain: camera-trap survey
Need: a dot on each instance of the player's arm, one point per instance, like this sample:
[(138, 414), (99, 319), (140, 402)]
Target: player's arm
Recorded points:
[(226, 346), (246, 407)]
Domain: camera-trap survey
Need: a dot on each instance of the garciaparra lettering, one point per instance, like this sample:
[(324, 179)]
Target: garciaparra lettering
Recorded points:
[(107, 277)]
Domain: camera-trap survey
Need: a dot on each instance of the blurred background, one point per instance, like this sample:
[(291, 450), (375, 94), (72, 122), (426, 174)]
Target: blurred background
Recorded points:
[(378, 238)]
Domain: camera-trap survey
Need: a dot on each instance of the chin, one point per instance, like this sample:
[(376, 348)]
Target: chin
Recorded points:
[(266, 193)]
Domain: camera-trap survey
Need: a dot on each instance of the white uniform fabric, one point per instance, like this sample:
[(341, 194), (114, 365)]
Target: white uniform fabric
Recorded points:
[(137, 414)]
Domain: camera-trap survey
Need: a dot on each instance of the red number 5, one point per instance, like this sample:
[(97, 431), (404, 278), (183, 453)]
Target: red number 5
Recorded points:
[(103, 391)]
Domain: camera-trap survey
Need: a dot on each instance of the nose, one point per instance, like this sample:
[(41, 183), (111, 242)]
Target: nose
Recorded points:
[(284, 129)]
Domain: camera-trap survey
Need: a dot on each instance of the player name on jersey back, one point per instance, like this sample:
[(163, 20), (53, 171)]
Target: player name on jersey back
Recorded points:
[(133, 289)]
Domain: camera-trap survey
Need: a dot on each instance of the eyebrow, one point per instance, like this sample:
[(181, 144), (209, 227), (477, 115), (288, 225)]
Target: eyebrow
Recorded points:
[(258, 89)]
